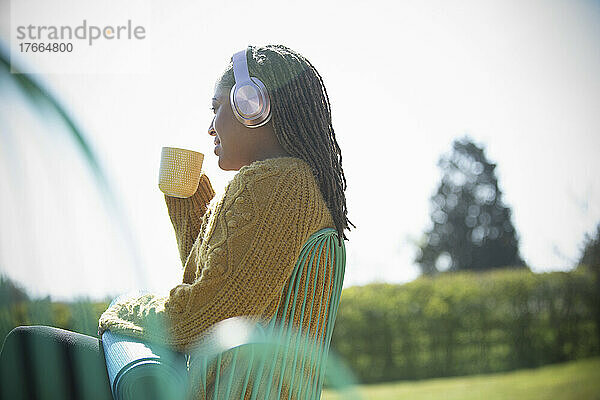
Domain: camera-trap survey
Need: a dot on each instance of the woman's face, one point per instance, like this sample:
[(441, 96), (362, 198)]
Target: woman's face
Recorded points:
[(233, 144)]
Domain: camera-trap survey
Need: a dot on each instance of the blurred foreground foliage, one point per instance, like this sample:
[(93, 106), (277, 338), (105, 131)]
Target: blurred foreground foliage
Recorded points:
[(464, 323)]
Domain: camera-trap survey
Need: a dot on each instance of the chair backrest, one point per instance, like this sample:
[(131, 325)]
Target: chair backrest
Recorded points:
[(290, 360)]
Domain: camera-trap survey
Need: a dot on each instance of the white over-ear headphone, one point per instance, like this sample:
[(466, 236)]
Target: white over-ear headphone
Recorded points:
[(248, 97)]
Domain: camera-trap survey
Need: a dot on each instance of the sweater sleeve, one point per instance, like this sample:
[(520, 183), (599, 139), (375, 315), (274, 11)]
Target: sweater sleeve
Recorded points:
[(258, 233), (188, 214)]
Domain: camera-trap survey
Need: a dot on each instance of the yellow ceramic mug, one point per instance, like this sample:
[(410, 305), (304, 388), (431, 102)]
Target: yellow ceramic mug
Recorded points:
[(179, 172)]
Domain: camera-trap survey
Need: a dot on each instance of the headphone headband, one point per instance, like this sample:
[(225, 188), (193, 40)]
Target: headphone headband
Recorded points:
[(240, 67)]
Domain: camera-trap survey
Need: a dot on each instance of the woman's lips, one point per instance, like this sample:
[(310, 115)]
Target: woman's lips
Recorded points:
[(217, 146)]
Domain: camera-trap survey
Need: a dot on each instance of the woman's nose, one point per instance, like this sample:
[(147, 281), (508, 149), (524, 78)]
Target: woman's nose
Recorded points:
[(211, 128)]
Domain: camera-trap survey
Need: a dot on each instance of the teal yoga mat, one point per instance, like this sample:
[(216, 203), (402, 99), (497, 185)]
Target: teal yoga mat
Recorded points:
[(138, 370)]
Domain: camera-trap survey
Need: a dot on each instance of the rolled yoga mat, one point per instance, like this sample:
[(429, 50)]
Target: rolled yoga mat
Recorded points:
[(137, 370)]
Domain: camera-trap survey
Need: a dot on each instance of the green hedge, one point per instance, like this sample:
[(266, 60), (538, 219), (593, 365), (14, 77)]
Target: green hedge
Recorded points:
[(79, 316), (466, 323), (454, 324)]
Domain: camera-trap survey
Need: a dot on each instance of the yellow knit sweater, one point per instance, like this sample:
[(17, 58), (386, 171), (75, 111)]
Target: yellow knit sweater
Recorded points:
[(238, 251)]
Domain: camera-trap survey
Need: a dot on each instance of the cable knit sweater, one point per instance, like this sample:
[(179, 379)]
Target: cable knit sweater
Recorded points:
[(238, 251)]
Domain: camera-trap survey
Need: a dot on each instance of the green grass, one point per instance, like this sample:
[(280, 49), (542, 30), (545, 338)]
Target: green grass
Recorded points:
[(573, 380)]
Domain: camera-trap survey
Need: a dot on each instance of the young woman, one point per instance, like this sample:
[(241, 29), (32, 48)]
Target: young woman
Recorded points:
[(238, 250)]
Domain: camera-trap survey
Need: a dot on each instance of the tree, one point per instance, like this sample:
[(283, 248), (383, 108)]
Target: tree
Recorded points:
[(10, 292), (590, 254), (590, 257), (472, 228)]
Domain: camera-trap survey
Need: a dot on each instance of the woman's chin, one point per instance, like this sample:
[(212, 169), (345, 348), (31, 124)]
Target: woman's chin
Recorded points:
[(225, 166)]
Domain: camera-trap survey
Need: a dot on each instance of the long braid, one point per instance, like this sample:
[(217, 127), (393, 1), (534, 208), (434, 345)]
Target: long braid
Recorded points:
[(302, 120)]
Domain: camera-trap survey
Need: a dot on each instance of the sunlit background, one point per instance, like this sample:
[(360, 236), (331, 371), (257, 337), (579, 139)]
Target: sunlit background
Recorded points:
[(405, 79)]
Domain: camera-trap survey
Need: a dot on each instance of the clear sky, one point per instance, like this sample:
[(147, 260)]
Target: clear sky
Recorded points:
[(405, 78)]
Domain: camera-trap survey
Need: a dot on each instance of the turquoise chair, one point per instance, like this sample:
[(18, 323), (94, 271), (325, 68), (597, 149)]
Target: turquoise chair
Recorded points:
[(242, 359)]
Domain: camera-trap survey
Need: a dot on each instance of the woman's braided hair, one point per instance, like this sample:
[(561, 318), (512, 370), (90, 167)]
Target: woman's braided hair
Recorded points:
[(301, 119)]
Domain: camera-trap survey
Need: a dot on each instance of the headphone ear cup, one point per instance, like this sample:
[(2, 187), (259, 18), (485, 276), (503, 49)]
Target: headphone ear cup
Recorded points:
[(250, 103), (248, 100)]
